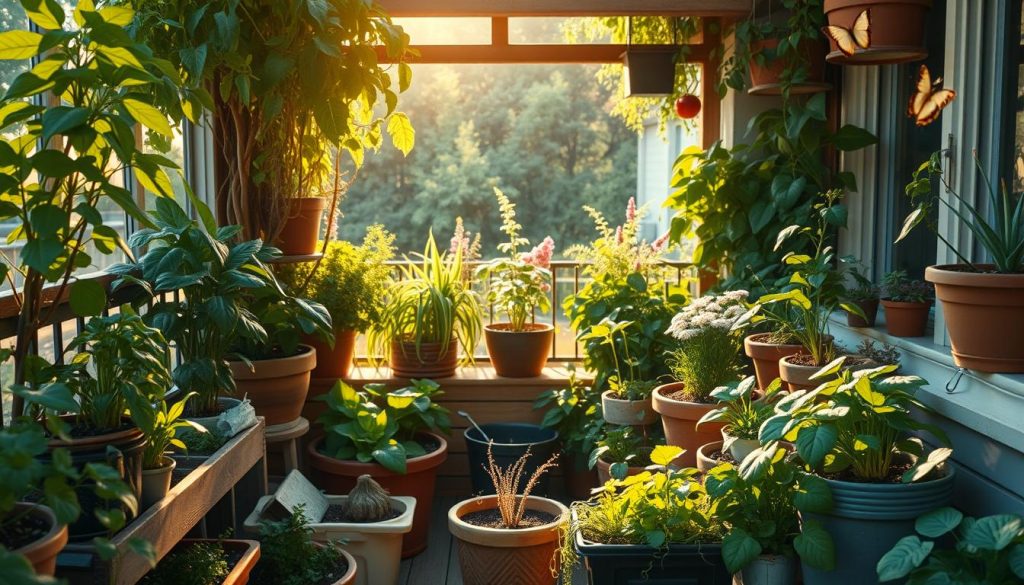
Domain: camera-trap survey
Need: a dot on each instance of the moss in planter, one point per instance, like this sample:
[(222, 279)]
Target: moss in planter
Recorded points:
[(201, 563)]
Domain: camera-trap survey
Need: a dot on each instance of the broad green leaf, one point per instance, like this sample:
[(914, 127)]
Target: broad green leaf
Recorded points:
[(88, 298), (19, 44), (148, 116), (993, 532), (739, 549), (402, 133), (815, 546), (812, 494), (392, 457), (938, 522), (814, 442), (923, 468), (117, 15), (56, 397), (404, 76), (1016, 560), (904, 557), (851, 137)]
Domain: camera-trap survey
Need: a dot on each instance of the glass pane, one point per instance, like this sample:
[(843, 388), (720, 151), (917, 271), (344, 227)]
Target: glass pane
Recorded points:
[(447, 31), (553, 30)]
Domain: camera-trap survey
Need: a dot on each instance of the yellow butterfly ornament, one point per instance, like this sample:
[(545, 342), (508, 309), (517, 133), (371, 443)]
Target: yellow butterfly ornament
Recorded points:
[(929, 99), (850, 40)]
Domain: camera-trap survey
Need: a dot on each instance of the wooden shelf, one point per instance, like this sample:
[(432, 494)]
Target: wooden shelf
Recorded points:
[(165, 523), (297, 259)]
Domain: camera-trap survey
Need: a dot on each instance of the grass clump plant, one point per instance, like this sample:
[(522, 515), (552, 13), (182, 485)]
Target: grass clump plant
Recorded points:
[(512, 504)]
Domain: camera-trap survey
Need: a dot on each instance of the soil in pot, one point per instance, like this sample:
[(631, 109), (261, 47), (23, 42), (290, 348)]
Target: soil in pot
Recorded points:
[(766, 354), (870, 310), (796, 372), (36, 535), (335, 476), (897, 30), (492, 519), (679, 419), (767, 79), (711, 455), (906, 319), (301, 229), (511, 442), (430, 362), (277, 387), (519, 354), (333, 363), (984, 314)]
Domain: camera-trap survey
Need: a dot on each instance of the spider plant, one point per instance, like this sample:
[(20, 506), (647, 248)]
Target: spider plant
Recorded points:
[(432, 303)]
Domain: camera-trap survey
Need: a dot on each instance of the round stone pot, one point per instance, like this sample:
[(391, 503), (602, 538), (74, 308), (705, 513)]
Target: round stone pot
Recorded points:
[(627, 412), (519, 354), (679, 419)]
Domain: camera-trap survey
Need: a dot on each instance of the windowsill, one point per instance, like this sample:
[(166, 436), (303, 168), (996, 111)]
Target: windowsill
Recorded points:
[(990, 404)]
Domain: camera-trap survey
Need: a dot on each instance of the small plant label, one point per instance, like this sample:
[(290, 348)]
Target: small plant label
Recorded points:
[(294, 492)]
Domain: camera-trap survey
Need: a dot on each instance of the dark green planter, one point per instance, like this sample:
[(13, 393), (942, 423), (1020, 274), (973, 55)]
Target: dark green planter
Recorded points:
[(631, 564), (866, 521), (511, 441)]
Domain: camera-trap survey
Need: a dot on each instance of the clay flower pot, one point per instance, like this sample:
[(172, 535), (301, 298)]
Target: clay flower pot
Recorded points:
[(705, 462), (333, 363), (604, 471), (519, 354), (906, 319), (156, 482), (679, 419), (739, 448), (247, 552), (766, 356), (336, 476), (897, 30), (870, 310), (301, 229), (798, 376), (984, 315), (766, 79), (42, 552), (498, 556), (628, 413), (430, 362), (276, 387)]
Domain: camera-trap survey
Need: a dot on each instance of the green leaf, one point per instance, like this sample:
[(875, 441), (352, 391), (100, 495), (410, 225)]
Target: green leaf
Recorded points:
[(148, 116), (815, 546), (814, 442), (812, 494), (404, 76), (46, 13), (402, 133), (665, 454), (923, 468), (1016, 560), (88, 298), (637, 282), (739, 549), (61, 120), (993, 532), (19, 44), (851, 137), (41, 254), (938, 522), (907, 555), (915, 217), (56, 397), (391, 457)]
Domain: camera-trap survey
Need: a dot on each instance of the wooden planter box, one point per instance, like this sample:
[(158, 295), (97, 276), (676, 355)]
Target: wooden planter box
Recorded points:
[(165, 523)]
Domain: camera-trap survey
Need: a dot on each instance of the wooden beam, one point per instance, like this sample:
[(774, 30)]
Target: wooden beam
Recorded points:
[(454, 8), (537, 54), (711, 105)]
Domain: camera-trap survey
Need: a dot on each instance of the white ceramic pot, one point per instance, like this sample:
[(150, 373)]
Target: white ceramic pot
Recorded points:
[(740, 448)]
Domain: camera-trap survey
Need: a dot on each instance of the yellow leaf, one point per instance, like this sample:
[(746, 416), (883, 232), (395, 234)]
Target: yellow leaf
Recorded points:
[(47, 67), (403, 136), (148, 116), (47, 15), (117, 15), (159, 183), (120, 57), (19, 44), (82, 7)]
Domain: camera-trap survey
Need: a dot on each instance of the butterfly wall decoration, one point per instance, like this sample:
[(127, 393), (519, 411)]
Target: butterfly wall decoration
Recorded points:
[(850, 40), (929, 98)]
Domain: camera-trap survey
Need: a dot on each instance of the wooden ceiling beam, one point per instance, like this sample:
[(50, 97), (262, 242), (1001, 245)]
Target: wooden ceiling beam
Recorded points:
[(530, 54), (505, 8)]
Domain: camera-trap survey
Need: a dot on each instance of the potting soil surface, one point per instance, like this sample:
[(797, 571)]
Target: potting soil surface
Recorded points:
[(23, 531), (339, 513), (492, 519)]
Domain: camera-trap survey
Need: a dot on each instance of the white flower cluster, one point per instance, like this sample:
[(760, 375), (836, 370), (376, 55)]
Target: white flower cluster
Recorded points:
[(717, 311)]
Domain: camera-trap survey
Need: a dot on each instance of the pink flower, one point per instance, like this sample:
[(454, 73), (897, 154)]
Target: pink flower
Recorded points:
[(661, 243), (618, 234), (631, 210), (541, 254)]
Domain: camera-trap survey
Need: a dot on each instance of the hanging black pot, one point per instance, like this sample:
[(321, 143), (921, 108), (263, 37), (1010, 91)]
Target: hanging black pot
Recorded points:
[(650, 70)]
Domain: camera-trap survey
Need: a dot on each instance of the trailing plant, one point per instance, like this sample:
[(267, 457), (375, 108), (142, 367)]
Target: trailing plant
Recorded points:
[(857, 424), (740, 411), (708, 333), (381, 425), (289, 84), (759, 500), (656, 509), (512, 504), (63, 163), (574, 412), (200, 278), (289, 556), (198, 563), (623, 447), (862, 290), (162, 435), (733, 201), (901, 288), (432, 303), (802, 310), (119, 366), (350, 281), (519, 283), (987, 550), (1002, 238)]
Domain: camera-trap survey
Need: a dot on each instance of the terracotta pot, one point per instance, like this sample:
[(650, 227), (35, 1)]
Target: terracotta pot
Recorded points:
[(430, 362), (248, 549), (579, 479), (766, 356), (42, 552), (301, 230), (349, 578), (333, 363), (156, 482), (870, 310), (897, 30), (767, 79), (604, 471), (627, 412), (798, 376), (984, 315), (339, 477), (705, 462), (906, 319), (680, 418), (519, 354), (276, 387), (495, 556)]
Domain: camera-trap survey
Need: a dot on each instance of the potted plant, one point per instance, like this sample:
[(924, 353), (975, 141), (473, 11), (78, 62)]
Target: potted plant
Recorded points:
[(897, 30), (518, 285), (206, 562), (758, 500), (705, 358), (862, 294), (368, 520), (507, 443), (741, 414), (389, 435), (988, 550), (272, 369), (351, 282), (907, 304), (981, 303), (290, 556), (509, 537), (782, 56), (884, 354), (285, 107), (654, 525), (198, 295), (621, 451), (628, 399), (161, 437), (428, 314), (854, 431), (575, 413)]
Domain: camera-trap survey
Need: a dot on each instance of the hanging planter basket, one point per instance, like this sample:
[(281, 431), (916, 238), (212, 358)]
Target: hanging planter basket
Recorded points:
[(766, 79), (650, 71), (897, 30)]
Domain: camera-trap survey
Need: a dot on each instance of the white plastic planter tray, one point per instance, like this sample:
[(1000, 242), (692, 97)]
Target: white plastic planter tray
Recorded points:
[(376, 546)]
